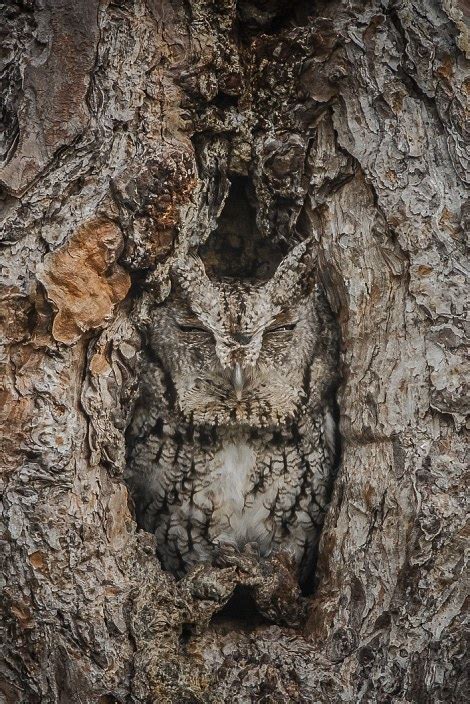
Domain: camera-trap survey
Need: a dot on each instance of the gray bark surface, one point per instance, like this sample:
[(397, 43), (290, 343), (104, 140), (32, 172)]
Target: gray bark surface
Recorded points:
[(121, 125)]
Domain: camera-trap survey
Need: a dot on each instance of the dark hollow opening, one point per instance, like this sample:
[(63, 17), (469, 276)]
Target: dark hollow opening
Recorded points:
[(240, 611), (236, 249)]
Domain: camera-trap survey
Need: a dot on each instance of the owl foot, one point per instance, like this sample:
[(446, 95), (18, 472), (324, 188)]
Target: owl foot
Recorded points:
[(227, 553)]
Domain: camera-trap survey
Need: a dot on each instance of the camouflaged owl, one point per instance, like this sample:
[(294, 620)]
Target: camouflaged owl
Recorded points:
[(233, 442)]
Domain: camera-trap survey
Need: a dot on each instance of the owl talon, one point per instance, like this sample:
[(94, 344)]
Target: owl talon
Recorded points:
[(252, 550), (226, 553)]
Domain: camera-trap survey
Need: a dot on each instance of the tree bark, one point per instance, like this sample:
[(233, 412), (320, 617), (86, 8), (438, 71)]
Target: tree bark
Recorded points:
[(124, 125)]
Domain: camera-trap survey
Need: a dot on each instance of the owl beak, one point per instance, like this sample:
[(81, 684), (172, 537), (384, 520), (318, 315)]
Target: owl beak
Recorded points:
[(238, 381)]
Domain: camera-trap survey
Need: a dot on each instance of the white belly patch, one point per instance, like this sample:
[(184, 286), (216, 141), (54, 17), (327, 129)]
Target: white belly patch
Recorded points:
[(238, 518)]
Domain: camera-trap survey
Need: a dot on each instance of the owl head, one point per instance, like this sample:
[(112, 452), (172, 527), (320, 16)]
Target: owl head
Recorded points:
[(237, 353)]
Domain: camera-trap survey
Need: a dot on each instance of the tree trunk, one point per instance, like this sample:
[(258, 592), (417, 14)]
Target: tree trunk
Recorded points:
[(125, 124)]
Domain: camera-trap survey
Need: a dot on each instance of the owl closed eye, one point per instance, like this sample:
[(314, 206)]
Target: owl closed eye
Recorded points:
[(281, 327), (193, 327)]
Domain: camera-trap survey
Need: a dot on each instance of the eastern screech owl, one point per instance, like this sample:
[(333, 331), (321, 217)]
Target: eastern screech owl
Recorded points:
[(233, 441)]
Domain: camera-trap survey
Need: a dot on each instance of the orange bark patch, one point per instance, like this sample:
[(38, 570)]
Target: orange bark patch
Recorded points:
[(99, 364), (447, 68), (424, 270), (23, 615), (83, 280), (38, 561)]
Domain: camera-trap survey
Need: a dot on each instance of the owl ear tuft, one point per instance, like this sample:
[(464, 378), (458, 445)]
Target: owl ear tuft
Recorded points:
[(189, 276), (188, 271), (295, 275)]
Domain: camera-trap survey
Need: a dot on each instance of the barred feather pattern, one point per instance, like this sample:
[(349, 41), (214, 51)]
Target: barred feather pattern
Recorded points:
[(202, 495), (233, 442)]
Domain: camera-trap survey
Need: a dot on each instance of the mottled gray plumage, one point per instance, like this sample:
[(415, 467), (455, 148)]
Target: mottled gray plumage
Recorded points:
[(233, 443)]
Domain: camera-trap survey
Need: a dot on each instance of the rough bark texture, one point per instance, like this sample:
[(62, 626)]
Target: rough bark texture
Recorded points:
[(122, 125)]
